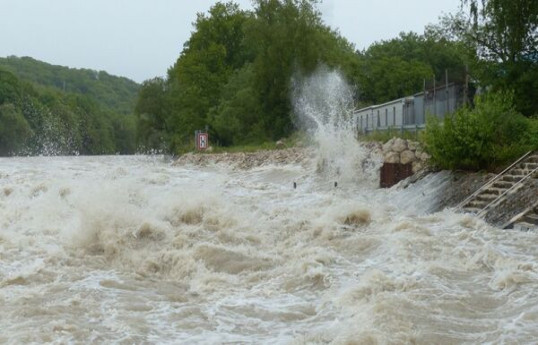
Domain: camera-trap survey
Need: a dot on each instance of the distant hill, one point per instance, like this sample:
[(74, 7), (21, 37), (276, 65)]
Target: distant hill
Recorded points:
[(117, 94)]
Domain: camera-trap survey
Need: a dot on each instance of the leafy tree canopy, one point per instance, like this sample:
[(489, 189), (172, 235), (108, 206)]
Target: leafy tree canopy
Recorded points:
[(117, 94), (503, 36), (40, 119)]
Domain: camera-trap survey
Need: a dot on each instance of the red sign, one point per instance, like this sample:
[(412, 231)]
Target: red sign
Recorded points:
[(202, 141)]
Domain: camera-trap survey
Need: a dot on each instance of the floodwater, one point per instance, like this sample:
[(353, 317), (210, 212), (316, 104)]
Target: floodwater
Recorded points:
[(133, 250)]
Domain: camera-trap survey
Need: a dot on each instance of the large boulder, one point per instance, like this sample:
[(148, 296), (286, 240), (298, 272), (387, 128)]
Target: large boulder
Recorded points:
[(418, 152), (412, 145), (391, 157), (399, 145), (387, 147)]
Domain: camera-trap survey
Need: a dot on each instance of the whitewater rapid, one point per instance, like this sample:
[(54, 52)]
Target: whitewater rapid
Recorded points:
[(133, 250)]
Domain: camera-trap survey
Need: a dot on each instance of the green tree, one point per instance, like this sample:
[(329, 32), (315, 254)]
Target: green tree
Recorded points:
[(213, 52), (287, 37), (110, 92), (504, 34), (486, 136), (14, 130), (398, 67), (152, 115), (238, 117)]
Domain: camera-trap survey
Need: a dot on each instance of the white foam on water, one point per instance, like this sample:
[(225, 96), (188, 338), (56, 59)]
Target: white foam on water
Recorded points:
[(323, 106), (123, 250), (132, 250)]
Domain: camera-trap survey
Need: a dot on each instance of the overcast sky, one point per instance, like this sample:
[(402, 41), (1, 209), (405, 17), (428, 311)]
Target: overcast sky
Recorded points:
[(141, 39)]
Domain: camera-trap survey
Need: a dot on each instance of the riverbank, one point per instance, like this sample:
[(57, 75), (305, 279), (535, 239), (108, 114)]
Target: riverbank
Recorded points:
[(456, 187), (249, 160)]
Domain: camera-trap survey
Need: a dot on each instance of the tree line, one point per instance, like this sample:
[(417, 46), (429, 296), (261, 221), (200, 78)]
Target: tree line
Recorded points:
[(55, 110), (234, 73)]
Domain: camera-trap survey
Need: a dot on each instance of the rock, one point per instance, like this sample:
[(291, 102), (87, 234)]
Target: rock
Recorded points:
[(418, 152), (399, 145), (417, 166), (412, 145), (425, 156), (387, 147), (391, 157), (407, 156)]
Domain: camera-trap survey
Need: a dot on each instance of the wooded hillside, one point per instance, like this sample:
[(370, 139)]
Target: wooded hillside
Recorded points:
[(52, 110)]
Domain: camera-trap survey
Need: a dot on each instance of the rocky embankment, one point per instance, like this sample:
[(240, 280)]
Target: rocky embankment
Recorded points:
[(249, 160), (402, 151)]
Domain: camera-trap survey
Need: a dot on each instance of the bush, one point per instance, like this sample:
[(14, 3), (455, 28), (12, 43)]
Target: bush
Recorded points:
[(485, 137)]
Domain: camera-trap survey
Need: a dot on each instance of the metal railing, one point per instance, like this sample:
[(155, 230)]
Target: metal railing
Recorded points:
[(497, 199), (520, 215), (490, 182)]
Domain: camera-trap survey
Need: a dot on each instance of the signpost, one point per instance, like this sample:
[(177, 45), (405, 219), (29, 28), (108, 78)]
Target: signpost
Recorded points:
[(202, 140)]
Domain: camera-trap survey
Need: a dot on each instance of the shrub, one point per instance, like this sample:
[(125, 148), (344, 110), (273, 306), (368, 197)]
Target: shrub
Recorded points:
[(484, 137)]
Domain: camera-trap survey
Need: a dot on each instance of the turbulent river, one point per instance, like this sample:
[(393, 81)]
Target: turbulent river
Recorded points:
[(133, 250)]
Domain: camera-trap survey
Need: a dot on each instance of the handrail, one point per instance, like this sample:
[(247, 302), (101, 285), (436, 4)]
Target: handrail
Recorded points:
[(517, 184), (490, 182), (519, 215)]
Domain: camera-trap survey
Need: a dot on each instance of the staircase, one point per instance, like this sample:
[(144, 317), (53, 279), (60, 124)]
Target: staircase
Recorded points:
[(526, 220), (495, 191)]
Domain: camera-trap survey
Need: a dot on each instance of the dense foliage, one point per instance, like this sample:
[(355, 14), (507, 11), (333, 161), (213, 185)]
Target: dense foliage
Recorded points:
[(235, 76), (504, 36), (112, 93), (40, 119), (489, 135), (235, 73), (401, 66), (500, 40)]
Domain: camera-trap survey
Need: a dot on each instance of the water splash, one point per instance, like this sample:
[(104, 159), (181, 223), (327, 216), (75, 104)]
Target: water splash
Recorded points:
[(323, 105)]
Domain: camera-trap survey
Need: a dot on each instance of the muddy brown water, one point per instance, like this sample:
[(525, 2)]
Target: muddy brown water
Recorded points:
[(133, 250)]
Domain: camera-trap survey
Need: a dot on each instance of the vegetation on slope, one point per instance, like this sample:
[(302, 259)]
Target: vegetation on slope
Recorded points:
[(117, 94), (38, 117), (235, 76)]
